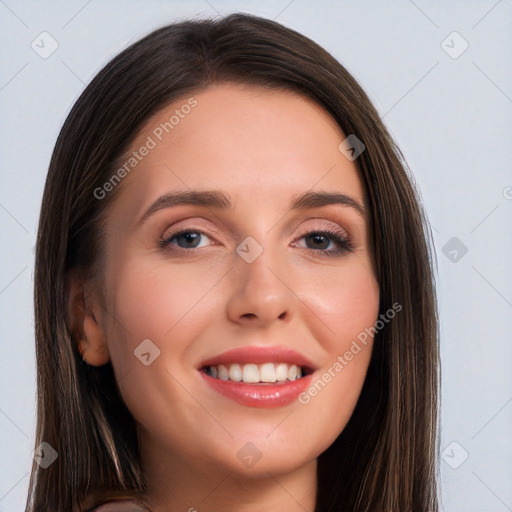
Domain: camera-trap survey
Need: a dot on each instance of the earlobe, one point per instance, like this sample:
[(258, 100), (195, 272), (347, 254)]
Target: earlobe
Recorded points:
[(94, 347)]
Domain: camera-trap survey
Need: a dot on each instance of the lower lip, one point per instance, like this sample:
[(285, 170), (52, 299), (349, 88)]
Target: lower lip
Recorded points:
[(263, 395)]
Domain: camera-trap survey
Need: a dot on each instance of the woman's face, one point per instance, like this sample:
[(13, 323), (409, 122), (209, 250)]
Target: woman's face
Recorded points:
[(247, 286)]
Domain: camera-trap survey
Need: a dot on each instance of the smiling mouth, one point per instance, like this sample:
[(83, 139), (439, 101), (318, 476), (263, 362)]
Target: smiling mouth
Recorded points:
[(265, 374)]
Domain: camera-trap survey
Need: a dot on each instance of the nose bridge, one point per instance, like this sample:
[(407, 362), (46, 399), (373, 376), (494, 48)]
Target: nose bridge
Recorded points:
[(260, 291)]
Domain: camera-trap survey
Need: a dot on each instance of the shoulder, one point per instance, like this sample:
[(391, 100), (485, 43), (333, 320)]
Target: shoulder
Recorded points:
[(121, 505)]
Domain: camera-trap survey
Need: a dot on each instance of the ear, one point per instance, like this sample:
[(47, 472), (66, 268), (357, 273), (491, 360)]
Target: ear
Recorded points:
[(84, 315)]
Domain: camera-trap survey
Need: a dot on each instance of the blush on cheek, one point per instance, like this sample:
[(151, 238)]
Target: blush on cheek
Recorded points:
[(346, 307), (151, 302), (166, 304)]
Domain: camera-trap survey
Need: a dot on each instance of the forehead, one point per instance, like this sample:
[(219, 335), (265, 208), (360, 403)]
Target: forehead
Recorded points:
[(259, 145)]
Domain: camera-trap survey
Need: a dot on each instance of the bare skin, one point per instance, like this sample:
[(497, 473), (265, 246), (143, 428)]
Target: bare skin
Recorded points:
[(262, 148)]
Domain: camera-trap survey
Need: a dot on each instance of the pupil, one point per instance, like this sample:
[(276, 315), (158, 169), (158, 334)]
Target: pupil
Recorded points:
[(190, 237), (319, 238)]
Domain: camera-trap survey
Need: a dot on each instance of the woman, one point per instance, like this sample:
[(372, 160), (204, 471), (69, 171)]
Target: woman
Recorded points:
[(236, 309)]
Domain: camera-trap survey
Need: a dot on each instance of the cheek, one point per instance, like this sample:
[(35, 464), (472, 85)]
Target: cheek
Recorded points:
[(345, 301), (348, 306), (167, 304), (353, 305)]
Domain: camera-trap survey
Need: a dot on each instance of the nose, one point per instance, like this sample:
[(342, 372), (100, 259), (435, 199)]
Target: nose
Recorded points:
[(261, 294)]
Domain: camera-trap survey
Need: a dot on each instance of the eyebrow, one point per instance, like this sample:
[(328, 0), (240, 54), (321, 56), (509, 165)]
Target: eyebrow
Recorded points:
[(221, 201)]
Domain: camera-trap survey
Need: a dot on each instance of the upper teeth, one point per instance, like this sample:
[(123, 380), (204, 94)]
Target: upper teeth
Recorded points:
[(252, 373)]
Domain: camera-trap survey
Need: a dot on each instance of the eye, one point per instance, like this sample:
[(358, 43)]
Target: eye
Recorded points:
[(328, 242), (186, 239)]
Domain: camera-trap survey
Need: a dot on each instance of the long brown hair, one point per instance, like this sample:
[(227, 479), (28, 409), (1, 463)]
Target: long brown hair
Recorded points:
[(386, 457)]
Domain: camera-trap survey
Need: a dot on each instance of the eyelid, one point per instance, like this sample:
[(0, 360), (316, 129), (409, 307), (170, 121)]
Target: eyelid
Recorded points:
[(329, 225), (189, 224), (177, 228)]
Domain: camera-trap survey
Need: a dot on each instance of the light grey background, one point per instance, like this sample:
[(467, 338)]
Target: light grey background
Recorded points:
[(452, 118)]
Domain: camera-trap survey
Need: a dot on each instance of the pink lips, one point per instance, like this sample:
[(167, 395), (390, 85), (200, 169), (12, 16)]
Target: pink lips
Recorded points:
[(259, 395)]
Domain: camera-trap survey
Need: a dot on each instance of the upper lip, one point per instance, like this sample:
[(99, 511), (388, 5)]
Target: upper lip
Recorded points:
[(257, 354)]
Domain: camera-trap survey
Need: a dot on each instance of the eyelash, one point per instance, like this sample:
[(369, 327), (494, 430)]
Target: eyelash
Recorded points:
[(344, 244)]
